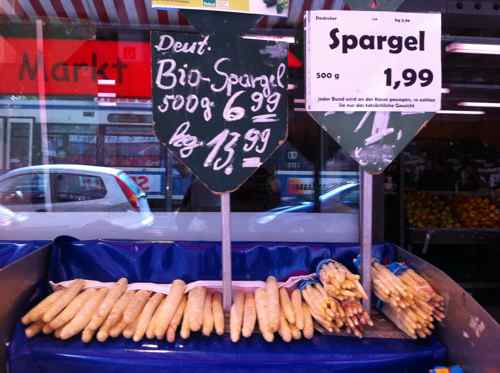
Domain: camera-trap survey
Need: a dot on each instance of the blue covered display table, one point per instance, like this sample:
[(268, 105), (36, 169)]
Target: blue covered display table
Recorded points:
[(163, 262)]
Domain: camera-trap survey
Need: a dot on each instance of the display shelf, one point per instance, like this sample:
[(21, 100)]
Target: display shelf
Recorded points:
[(453, 236), (468, 193)]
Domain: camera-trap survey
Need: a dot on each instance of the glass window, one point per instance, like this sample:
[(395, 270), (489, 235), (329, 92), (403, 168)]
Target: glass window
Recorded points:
[(20, 144), (77, 188), (121, 142), (23, 189), (103, 117), (341, 198), (72, 144)]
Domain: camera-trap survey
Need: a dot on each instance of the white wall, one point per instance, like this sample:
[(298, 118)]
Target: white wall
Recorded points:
[(289, 227)]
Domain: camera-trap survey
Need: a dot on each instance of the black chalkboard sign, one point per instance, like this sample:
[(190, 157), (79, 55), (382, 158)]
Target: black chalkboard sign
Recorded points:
[(219, 103)]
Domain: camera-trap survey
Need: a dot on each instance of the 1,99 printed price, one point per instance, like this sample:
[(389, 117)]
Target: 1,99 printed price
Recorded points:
[(373, 61), (409, 77)]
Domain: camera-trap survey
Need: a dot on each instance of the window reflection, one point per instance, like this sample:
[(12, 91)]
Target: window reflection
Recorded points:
[(72, 143), (309, 173), (131, 146)]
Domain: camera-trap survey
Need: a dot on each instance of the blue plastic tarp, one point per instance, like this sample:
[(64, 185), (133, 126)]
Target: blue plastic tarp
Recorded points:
[(11, 251), (162, 262), (106, 260)]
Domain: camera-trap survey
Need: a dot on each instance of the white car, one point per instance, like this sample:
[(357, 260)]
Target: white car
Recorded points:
[(70, 188)]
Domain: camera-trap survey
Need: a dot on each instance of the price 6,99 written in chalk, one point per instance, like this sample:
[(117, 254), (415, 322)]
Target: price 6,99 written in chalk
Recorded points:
[(409, 77)]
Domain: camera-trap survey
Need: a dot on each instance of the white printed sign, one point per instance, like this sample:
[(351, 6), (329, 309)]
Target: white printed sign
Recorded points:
[(373, 61)]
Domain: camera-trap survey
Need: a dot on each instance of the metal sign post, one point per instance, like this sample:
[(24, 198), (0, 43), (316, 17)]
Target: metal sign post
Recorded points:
[(365, 231), (226, 250), (42, 100)]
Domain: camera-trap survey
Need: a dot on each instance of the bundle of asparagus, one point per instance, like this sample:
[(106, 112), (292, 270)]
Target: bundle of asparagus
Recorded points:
[(275, 310), (408, 299), (332, 314), (339, 282), (424, 292)]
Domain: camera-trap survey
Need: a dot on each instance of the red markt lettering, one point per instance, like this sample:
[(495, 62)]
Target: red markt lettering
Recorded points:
[(63, 72), (74, 67)]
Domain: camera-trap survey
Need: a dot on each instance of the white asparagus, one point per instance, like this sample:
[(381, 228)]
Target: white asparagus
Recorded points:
[(296, 334), (308, 323), (134, 308), (297, 308), (146, 316), (88, 334), (185, 327), (118, 329), (34, 329), (57, 333), (129, 331), (286, 306), (208, 316), (150, 331), (218, 312), (112, 297), (249, 316), (114, 316), (37, 312), (196, 302), (71, 310), (236, 317), (47, 329), (62, 301), (273, 302), (262, 314), (83, 317), (176, 320), (167, 309), (107, 304), (284, 330)]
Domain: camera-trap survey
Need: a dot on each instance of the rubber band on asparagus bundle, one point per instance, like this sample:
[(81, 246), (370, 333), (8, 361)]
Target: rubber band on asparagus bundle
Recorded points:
[(339, 282)]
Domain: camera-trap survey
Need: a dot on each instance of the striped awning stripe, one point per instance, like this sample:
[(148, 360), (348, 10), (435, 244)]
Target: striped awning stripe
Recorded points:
[(135, 12)]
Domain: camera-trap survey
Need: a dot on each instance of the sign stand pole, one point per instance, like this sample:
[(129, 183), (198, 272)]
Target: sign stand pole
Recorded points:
[(366, 227), (226, 250), (42, 94)]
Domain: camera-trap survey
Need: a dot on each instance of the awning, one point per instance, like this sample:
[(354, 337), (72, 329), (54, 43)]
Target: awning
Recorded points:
[(135, 12)]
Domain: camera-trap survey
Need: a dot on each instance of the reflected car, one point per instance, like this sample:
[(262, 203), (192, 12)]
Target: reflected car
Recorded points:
[(71, 188), (341, 199)]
